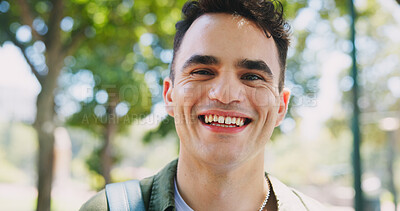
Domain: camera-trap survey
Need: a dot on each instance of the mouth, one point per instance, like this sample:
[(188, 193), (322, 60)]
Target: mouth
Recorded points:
[(224, 121)]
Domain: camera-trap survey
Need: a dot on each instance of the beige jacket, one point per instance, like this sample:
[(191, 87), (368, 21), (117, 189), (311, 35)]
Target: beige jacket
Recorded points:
[(158, 194)]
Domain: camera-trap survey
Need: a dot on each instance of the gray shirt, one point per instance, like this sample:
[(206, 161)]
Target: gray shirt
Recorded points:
[(180, 204)]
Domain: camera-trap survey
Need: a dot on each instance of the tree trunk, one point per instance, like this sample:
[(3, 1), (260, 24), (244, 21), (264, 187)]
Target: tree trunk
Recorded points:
[(106, 151), (391, 155), (45, 170), (44, 127)]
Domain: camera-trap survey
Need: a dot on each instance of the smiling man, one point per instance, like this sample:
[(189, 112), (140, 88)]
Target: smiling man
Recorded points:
[(225, 92)]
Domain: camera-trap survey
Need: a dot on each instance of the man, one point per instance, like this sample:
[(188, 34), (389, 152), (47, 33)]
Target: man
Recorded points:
[(225, 92)]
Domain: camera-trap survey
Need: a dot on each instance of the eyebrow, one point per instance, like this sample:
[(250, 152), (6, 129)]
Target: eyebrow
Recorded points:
[(201, 59), (255, 65), (244, 63)]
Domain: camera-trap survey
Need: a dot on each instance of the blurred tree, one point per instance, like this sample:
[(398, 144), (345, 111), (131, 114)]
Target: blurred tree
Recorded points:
[(377, 47), (121, 97), (378, 44), (50, 32), (34, 26), (133, 43)]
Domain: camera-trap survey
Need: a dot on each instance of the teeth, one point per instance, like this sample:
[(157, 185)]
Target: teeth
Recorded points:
[(228, 120), (222, 121), (222, 125)]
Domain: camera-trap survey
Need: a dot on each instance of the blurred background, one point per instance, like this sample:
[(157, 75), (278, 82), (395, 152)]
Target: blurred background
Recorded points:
[(81, 100)]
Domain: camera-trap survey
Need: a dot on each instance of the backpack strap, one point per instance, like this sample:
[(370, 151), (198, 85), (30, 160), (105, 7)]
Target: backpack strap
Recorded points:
[(125, 196)]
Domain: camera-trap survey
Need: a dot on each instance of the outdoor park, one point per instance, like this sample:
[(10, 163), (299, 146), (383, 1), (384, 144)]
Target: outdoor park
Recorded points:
[(81, 100)]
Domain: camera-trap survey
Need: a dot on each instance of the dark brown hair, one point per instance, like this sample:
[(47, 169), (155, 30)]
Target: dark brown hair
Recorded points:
[(268, 15)]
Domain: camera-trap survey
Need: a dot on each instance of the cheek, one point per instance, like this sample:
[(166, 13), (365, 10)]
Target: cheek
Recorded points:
[(194, 95), (263, 98), (187, 98), (187, 94)]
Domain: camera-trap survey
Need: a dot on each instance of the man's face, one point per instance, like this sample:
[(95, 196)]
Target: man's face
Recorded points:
[(225, 98)]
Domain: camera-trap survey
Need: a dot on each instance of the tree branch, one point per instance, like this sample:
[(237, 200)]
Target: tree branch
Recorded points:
[(27, 17), (39, 77), (53, 37), (76, 40), (13, 39)]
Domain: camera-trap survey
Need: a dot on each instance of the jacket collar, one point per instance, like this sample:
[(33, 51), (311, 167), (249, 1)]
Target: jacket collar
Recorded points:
[(286, 197), (162, 191)]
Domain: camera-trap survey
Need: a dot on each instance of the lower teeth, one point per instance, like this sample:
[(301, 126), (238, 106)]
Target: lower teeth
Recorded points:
[(219, 125)]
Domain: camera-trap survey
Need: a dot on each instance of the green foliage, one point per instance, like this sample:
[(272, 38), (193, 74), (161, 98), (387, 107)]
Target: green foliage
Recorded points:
[(291, 7), (121, 87), (123, 48), (94, 162), (116, 68), (166, 127)]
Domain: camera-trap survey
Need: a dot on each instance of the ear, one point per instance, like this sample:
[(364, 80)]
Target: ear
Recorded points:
[(167, 95), (283, 105)]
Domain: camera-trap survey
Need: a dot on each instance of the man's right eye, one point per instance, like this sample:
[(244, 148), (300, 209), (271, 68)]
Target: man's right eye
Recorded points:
[(202, 72)]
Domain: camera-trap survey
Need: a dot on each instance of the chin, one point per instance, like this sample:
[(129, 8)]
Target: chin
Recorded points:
[(223, 157)]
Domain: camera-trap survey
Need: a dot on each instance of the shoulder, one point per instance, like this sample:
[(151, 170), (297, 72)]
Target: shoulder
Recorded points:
[(310, 203), (291, 199), (97, 202), (148, 190), (157, 189)]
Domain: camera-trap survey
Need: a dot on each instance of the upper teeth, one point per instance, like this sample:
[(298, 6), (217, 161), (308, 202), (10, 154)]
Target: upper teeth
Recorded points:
[(239, 121)]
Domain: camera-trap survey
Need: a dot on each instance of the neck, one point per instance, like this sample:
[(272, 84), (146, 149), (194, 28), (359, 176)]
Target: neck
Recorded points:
[(205, 186)]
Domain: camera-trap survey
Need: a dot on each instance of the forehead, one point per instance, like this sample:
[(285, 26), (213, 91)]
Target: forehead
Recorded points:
[(228, 37)]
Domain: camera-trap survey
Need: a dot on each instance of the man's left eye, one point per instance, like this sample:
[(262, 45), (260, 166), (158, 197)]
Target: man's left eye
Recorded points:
[(251, 77)]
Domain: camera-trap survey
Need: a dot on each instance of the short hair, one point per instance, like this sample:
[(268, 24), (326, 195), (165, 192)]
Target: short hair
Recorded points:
[(268, 15)]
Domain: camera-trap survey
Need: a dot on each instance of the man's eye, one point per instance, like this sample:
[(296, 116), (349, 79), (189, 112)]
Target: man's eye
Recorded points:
[(203, 72), (251, 77)]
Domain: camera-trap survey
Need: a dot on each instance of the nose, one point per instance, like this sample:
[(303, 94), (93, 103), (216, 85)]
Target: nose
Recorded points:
[(226, 89)]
